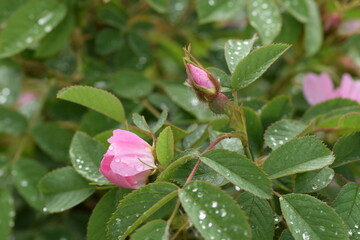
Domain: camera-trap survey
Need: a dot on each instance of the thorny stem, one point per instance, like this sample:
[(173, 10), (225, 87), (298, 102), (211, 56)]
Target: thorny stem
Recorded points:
[(344, 178), (193, 171), (211, 146), (150, 108), (174, 212), (325, 129), (179, 231), (277, 194), (234, 93)]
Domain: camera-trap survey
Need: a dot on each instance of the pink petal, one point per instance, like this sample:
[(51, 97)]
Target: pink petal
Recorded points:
[(200, 77), (345, 88), (135, 181), (121, 164), (317, 89), (355, 93), (126, 136)]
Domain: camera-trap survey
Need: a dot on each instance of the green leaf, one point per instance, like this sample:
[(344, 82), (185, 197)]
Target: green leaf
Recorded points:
[(203, 173), (233, 144), (347, 149), (350, 122), (137, 206), (213, 212), (326, 107), (178, 133), (7, 213), (159, 5), (337, 123), (237, 50), (96, 228), (169, 172), (160, 122), (177, 8), (94, 123), (313, 181), (29, 23), (103, 137), (336, 114), (196, 136), (286, 235), (291, 31), (53, 140), (313, 30), (310, 218), (10, 80), (239, 170), (26, 175), (96, 99), (216, 10), (282, 131), (255, 64), (108, 41), (261, 216), (297, 8), (63, 188), (57, 38), (347, 205), (157, 229), (86, 154), (4, 169), (131, 84), (254, 130), (140, 122), (223, 78), (277, 109), (296, 156), (7, 8), (12, 122), (165, 147), (265, 17), (185, 98), (113, 15)]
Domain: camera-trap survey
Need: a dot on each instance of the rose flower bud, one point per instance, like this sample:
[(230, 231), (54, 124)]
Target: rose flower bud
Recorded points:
[(129, 160), (204, 83)]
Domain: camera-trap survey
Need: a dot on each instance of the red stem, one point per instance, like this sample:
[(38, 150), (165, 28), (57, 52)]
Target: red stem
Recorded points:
[(211, 146)]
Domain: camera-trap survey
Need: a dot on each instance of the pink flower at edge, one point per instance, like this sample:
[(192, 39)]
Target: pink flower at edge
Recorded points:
[(319, 88), (128, 161), (26, 98)]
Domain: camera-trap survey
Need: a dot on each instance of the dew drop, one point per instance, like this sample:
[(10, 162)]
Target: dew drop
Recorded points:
[(24, 183), (214, 204), (223, 213), (29, 40), (45, 19), (305, 236), (202, 214)]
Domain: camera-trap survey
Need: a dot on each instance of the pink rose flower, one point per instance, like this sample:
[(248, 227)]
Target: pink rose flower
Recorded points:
[(129, 160), (319, 88), (26, 98)]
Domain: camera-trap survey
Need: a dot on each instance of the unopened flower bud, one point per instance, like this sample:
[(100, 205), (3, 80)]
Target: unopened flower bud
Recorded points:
[(204, 83)]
